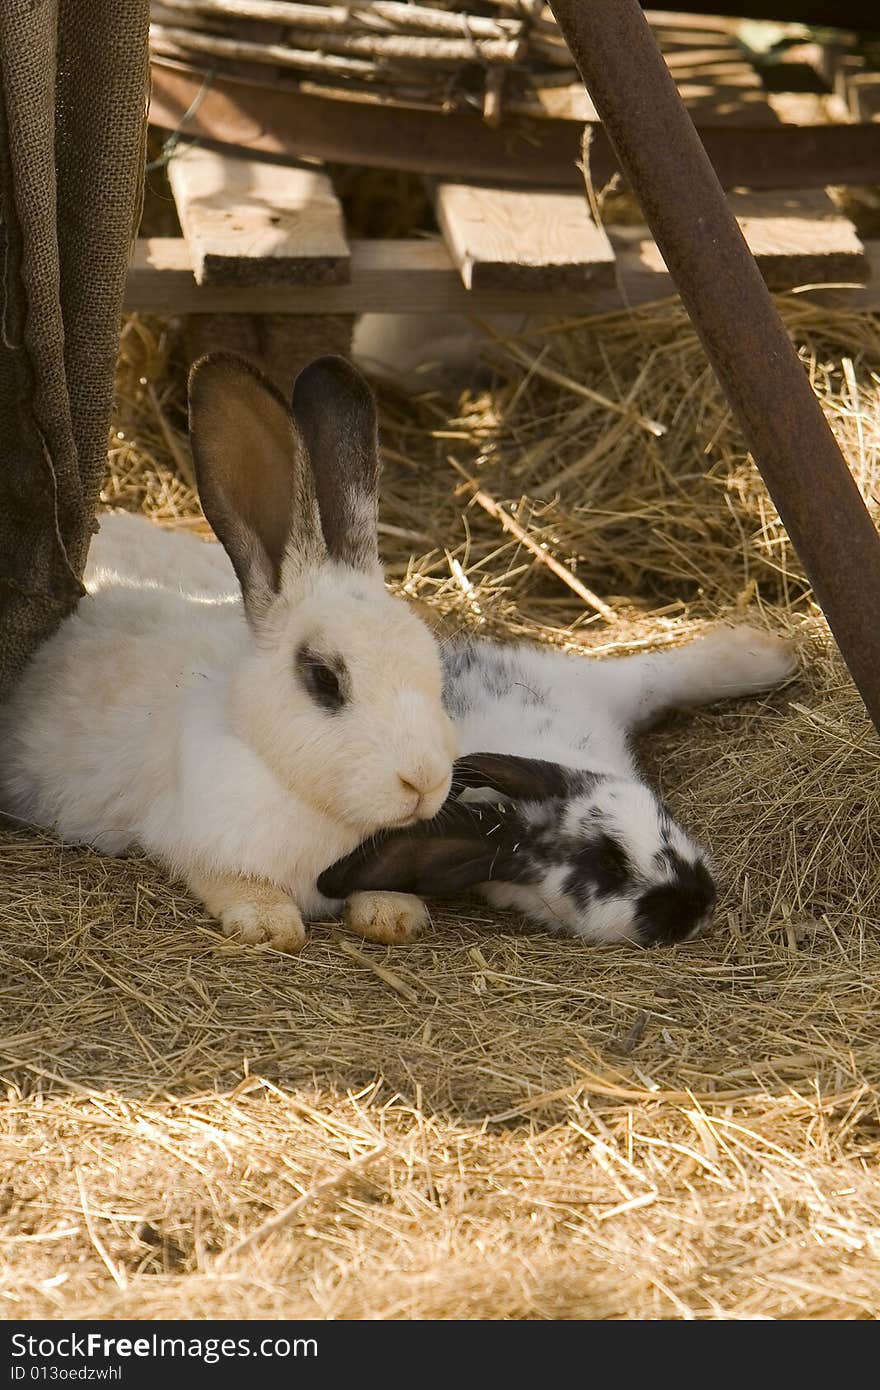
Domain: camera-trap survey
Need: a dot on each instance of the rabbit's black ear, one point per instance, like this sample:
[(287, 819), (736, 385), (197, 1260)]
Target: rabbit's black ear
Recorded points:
[(461, 847), (522, 779), (336, 414), (255, 484)]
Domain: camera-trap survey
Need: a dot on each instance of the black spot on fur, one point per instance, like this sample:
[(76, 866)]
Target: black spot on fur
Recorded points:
[(667, 859), (672, 911), (599, 868), (326, 678), (611, 865)]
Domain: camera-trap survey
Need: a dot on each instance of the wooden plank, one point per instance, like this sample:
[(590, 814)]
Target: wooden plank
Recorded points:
[(248, 222), (796, 67), (281, 343), (689, 21), (417, 276), (513, 239), (809, 108), (643, 277), (420, 277), (863, 96), (799, 238), (855, 82), (716, 80), (796, 238), (717, 92)]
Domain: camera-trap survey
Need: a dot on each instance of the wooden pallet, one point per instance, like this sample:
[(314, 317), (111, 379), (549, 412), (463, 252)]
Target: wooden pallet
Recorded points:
[(270, 238), (420, 277), (264, 238)]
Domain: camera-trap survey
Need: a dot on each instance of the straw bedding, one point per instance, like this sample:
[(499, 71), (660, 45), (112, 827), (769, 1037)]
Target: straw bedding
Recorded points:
[(490, 1123)]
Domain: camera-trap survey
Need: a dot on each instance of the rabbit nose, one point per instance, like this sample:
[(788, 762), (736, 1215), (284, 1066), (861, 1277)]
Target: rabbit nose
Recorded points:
[(414, 784), (423, 784)]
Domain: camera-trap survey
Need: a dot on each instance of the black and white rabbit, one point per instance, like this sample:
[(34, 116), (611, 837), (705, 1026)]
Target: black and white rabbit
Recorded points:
[(569, 834)]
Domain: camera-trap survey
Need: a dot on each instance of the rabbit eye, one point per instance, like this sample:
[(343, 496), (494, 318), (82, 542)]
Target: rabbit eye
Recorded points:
[(325, 683)]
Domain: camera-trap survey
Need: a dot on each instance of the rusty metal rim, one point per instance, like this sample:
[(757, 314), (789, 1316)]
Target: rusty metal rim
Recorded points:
[(287, 123)]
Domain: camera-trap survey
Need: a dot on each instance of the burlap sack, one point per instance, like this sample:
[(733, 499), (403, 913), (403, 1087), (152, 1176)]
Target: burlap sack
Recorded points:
[(73, 94)]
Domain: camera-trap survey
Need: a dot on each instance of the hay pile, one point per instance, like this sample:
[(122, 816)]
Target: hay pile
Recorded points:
[(490, 1123)]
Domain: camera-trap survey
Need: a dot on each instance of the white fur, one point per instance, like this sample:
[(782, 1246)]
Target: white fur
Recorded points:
[(582, 712), (157, 717)]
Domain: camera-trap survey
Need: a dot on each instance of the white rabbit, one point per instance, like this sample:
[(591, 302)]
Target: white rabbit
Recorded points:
[(243, 745), (580, 842)]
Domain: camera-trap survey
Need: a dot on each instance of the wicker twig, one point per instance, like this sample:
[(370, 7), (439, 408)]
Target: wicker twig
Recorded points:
[(165, 40), (416, 48), (162, 13), (379, 16), (344, 55), (492, 96), (550, 50), (528, 9)]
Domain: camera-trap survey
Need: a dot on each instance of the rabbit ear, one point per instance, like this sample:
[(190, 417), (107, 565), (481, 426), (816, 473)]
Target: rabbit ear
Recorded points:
[(522, 779), (459, 848), (254, 481), (336, 413)]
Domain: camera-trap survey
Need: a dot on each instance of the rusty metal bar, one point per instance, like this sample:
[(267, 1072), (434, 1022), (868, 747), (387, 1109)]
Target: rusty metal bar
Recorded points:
[(744, 338)]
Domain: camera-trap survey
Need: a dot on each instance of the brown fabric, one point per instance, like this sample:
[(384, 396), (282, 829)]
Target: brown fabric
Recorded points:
[(73, 96)]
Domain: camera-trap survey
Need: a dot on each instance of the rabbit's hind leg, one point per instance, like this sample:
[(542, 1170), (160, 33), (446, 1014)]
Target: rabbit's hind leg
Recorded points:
[(728, 663)]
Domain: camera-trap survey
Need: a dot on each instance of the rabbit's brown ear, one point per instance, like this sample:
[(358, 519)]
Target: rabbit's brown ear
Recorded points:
[(522, 779), (254, 481), (461, 847), (336, 414)]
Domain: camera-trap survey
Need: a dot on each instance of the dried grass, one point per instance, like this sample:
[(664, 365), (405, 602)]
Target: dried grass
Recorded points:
[(490, 1123)]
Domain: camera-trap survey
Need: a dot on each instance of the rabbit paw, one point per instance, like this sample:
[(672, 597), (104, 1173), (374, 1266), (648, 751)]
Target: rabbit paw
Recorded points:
[(748, 659), (388, 917), (279, 925), (251, 910)]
